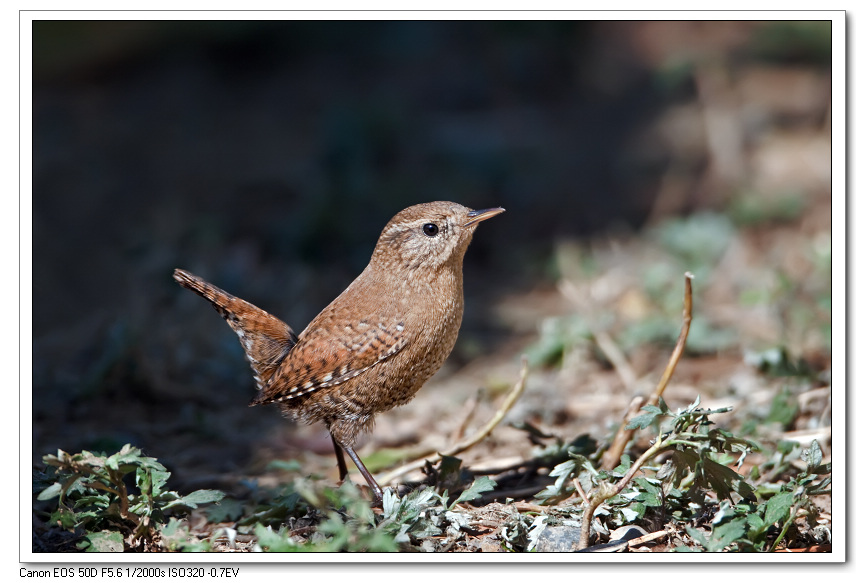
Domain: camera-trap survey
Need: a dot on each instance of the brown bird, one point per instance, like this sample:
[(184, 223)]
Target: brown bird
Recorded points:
[(377, 343)]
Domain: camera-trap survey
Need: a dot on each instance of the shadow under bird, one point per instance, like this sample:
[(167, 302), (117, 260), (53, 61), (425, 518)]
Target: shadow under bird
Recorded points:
[(377, 343)]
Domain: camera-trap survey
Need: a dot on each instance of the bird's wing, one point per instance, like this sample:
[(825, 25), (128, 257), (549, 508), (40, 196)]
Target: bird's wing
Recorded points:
[(329, 354)]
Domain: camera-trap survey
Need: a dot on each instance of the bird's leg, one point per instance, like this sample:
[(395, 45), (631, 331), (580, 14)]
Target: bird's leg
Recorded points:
[(376, 489), (340, 459)]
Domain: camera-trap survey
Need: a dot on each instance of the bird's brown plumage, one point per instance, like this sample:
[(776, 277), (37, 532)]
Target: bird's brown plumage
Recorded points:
[(377, 343)]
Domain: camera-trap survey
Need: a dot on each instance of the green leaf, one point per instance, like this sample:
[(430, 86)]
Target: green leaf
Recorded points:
[(159, 479), (682, 462), (175, 535), (478, 487), (564, 468), (778, 507), (202, 497), (756, 523), (631, 514), (50, 492), (89, 487), (651, 494), (726, 534), (273, 542), (63, 517), (641, 421), (227, 510), (822, 469), (625, 463), (698, 536), (105, 541), (99, 500), (563, 471), (127, 455), (721, 479), (812, 456), (653, 409), (144, 481)]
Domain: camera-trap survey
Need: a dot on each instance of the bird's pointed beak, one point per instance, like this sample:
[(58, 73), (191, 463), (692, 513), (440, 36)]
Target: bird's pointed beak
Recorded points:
[(482, 215)]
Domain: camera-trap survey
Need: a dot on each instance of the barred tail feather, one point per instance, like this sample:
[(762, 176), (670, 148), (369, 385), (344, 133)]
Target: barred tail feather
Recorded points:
[(265, 339)]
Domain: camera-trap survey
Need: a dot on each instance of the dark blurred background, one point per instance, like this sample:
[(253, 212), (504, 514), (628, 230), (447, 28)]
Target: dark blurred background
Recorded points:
[(267, 157)]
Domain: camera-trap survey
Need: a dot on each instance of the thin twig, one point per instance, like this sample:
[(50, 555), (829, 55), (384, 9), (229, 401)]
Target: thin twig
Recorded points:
[(579, 488), (521, 506), (647, 538), (680, 343), (605, 493), (508, 403), (613, 454), (611, 457)]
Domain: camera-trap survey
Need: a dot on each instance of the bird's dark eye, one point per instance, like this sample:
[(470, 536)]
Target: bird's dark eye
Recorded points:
[(430, 229)]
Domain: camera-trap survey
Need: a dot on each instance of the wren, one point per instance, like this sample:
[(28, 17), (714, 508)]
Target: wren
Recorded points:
[(377, 343)]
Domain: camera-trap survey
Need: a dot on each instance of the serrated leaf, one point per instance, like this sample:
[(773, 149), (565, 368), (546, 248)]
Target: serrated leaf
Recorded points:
[(641, 421), (535, 530), (63, 517), (86, 458), (402, 535), (478, 487), (159, 478), (390, 503), (649, 498), (563, 469), (563, 472), (203, 497), (176, 537), (144, 481), (273, 542), (812, 456), (625, 463), (822, 469), (755, 522), (424, 529), (126, 455), (632, 514), (100, 500), (778, 507), (697, 535), (721, 479), (448, 473), (106, 541), (726, 534), (228, 509)]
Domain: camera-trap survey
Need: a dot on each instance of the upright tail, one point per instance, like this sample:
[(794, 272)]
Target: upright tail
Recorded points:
[(265, 339)]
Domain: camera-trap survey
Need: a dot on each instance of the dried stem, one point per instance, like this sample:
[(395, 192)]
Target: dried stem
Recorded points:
[(506, 406), (623, 436), (611, 457), (579, 488), (647, 538), (680, 343), (600, 496)]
